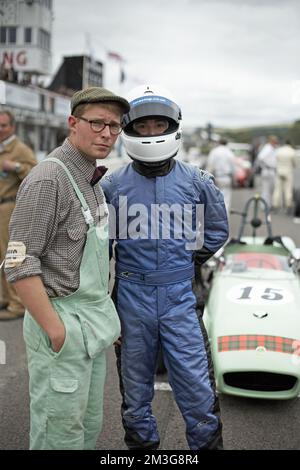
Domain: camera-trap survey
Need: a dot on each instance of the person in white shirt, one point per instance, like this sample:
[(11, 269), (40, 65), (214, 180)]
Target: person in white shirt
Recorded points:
[(286, 162), (266, 160), (221, 163)]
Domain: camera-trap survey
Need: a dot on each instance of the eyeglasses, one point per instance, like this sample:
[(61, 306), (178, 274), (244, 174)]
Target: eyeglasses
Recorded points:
[(98, 126)]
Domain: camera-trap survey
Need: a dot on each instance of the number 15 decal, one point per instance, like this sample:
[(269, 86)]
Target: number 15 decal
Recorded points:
[(258, 294), (269, 294)]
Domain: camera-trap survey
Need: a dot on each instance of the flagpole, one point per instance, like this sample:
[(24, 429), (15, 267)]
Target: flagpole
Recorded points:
[(115, 56)]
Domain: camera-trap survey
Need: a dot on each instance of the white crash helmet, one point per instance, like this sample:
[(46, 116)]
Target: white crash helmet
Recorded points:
[(150, 101)]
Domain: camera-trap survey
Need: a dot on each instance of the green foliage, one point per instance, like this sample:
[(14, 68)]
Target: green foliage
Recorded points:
[(206, 148), (294, 133), (248, 135)]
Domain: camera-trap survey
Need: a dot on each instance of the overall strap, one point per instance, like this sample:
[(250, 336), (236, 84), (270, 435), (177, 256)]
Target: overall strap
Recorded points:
[(84, 207)]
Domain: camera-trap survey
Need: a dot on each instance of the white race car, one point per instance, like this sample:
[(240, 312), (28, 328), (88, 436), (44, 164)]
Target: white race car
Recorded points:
[(252, 314)]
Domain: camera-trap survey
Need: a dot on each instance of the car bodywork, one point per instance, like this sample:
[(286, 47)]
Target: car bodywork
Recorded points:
[(252, 314)]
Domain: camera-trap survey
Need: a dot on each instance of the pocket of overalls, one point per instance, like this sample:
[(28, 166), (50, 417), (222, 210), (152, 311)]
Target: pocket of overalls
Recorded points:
[(49, 345), (67, 350), (31, 332), (62, 400), (64, 412), (100, 325)]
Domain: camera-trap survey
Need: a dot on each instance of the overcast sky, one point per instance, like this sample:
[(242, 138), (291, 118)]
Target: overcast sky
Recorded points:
[(228, 62)]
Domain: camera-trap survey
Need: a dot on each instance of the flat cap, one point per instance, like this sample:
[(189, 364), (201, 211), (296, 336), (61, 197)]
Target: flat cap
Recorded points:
[(97, 95)]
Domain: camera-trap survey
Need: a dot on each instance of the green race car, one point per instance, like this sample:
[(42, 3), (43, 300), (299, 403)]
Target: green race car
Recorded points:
[(252, 314)]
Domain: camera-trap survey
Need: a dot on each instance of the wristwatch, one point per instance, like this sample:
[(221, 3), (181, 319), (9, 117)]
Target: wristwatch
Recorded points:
[(17, 167)]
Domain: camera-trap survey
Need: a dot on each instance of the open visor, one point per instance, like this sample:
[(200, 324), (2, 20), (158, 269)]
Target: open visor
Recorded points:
[(150, 107)]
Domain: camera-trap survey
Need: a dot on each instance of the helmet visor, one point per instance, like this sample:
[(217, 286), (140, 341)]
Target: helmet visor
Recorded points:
[(150, 126), (152, 107)]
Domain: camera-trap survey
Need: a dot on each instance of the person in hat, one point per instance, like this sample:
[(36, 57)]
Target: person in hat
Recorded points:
[(59, 265), (170, 218)]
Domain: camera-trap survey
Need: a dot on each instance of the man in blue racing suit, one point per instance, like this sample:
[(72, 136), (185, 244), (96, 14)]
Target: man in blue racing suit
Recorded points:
[(167, 218)]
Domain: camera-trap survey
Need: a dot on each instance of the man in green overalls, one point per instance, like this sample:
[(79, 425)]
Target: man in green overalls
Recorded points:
[(58, 260)]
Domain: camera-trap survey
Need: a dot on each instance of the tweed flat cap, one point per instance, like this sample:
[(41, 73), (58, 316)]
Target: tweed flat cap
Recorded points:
[(97, 95)]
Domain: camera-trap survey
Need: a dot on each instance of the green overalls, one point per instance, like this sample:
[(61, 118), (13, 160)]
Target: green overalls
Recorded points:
[(66, 388)]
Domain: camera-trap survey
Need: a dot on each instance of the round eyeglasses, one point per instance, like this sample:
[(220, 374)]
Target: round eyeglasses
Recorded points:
[(97, 126)]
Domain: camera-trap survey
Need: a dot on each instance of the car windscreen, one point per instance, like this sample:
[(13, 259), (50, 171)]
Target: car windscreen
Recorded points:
[(240, 262)]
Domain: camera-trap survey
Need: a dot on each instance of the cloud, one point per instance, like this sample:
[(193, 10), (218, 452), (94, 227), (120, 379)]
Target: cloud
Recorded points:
[(232, 62)]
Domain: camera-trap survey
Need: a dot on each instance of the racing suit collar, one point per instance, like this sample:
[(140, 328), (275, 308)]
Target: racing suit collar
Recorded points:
[(151, 170)]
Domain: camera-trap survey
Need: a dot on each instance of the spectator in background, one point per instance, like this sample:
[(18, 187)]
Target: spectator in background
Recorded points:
[(8, 73), (221, 163), (16, 161), (286, 162), (3, 71), (266, 160)]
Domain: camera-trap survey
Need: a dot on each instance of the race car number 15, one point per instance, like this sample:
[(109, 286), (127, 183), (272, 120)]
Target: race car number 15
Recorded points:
[(248, 294)]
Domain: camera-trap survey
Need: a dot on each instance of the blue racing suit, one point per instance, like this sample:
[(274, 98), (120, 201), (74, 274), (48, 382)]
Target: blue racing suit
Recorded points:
[(155, 302)]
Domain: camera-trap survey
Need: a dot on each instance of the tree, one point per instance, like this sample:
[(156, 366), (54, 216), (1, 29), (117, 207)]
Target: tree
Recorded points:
[(294, 133)]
